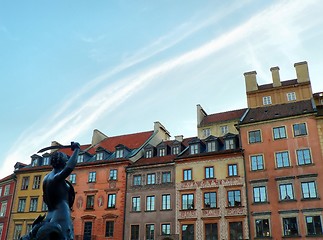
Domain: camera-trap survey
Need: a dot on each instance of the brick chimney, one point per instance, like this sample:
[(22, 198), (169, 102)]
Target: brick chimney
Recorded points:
[(251, 81), (275, 76), (302, 72)]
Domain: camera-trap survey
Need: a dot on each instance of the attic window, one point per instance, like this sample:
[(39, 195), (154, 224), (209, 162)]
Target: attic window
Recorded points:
[(194, 148), (161, 152), (206, 132), (34, 162), (119, 153), (175, 150), (229, 144), (266, 100), (80, 158), (149, 153), (291, 96), (224, 129), (46, 160), (99, 156), (211, 146)]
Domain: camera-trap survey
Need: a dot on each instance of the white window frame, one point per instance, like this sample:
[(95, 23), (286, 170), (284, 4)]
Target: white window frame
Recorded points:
[(266, 100), (291, 96)]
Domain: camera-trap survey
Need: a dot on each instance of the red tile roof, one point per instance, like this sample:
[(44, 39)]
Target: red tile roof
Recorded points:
[(278, 111), (223, 116), (11, 176), (131, 141)]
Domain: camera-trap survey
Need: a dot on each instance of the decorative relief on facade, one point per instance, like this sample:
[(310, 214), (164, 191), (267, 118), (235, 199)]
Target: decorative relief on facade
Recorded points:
[(210, 213), (187, 214), (112, 184), (79, 202), (100, 201), (236, 211)]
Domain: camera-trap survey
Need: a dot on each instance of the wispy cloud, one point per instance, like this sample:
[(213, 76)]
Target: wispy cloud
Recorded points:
[(77, 116)]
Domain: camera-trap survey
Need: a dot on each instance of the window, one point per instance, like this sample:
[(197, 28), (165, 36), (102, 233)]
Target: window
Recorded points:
[(299, 129), (150, 231), (109, 228), (137, 180), (314, 225), (6, 190), (34, 162), (149, 154), (136, 204), (119, 153), (21, 205), (0, 191), (279, 132), (224, 129), (150, 203), (290, 226), (266, 100), (113, 174), (33, 204), (233, 170), (209, 172), (25, 183), (187, 174), (309, 190), (254, 136), (211, 231), (291, 96), (206, 132), (188, 232), (236, 231), (229, 144), (112, 200), (286, 191), (259, 194), (175, 150), (92, 176), (1, 230), (46, 161), (165, 229), (166, 177), (73, 178), (44, 207), (234, 198), (188, 201), (162, 152), (36, 183), (89, 202), (151, 178), (210, 200), (134, 232), (211, 146), (282, 159), (262, 228), (99, 156), (257, 162), (3, 209), (304, 156), (17, 232), (80, 158), (194, 148), (166, 202)]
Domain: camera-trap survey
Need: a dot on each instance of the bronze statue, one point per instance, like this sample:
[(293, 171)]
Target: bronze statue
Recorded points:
[(59, 196)]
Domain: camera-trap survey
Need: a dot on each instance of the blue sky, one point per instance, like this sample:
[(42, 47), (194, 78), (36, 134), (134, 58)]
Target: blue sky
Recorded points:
[(69, 67)]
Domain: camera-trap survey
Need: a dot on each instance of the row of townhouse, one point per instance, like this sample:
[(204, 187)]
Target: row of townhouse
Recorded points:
[(250, 173)]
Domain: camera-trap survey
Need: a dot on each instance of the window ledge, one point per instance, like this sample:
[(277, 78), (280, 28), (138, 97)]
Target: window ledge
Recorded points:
[(234, 207), (233, 176), (260, 203), (256, 238), (165, 210), (310, 199), (293, 236), (278, 168), (210, 208), (314, 236), (287, 200), (185, 181), (305, 165), (183, 210), (150, 211)]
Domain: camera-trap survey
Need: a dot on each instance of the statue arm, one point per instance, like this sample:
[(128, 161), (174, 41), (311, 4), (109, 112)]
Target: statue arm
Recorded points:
[(71, 163)]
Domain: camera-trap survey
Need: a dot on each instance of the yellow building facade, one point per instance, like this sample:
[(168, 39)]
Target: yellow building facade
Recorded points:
[(28, 202)]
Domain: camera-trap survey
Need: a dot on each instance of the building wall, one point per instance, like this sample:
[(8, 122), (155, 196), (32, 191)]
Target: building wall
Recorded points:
[(26, 217), (222, 215), (275, 208), (6, 198), (159, 216), (101, 188), (215, 128)]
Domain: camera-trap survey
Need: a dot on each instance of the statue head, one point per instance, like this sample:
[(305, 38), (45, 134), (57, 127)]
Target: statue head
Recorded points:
[(58, 160)]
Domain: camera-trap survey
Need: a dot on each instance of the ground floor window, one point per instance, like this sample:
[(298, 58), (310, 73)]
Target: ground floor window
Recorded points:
[(211, 231), (314, 225), (109, 228), (134, 232), (188, 232), (17, 232), (290, 226), (150, 232), (236, 231)]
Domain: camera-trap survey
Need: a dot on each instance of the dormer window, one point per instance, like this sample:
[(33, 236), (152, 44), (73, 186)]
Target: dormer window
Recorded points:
[(149, 153), (46, 160), (194, 148), (119, 153), (224, 129), (80, 158), (161, 152), (34, 162), (229, 144), (175, 150), (291, 96), (266, 100), (99, 156), (211, 146)]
